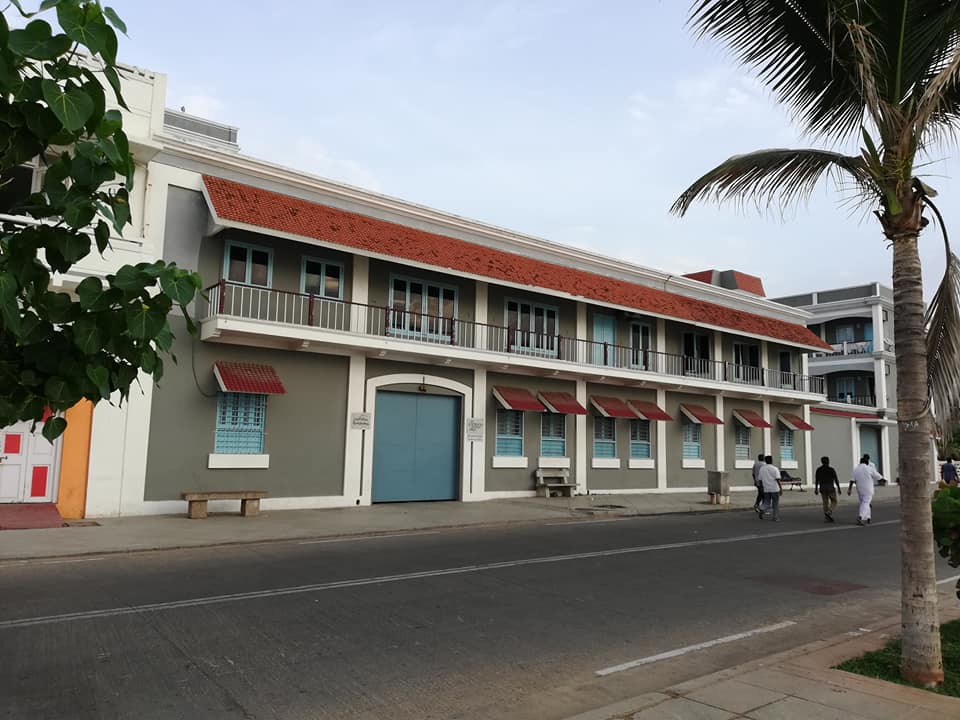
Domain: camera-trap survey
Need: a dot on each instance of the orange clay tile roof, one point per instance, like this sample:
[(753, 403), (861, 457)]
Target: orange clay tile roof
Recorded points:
[(253, 206)]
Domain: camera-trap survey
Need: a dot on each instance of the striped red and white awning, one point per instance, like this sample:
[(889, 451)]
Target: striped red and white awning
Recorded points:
[(517, 399), (562, 403), (612, 407), (648, 410), (794, 422), (751, 419), (700, 415)]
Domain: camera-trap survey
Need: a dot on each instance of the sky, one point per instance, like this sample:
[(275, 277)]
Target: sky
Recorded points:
[(579, 121)]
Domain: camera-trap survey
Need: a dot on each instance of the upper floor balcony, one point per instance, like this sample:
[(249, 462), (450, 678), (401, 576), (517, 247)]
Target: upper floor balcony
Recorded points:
[(863, 347), (226, 301)]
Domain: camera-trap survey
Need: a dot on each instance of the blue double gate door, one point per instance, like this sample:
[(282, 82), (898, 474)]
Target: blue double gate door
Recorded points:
[(416, 440)]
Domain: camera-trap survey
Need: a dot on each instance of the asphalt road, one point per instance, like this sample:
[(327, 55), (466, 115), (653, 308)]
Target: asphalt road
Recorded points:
[(472, 623)]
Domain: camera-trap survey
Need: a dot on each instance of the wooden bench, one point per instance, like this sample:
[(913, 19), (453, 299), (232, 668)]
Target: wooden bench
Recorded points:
[(793, 482), (554, 482), (249, 501)]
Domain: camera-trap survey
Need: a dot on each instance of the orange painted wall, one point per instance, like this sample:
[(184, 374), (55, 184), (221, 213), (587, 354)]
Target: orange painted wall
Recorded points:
[(75, 461)]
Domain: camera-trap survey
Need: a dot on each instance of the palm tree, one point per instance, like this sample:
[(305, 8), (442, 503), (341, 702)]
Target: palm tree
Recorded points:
[(884, 75)]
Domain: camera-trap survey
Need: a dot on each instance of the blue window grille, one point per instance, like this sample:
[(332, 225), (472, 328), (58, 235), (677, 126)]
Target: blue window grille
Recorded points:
[(240, 423), (640, 439), (509, 433), (786, 444), (692, 448), (604, 437), (553, 435), (742, 440)]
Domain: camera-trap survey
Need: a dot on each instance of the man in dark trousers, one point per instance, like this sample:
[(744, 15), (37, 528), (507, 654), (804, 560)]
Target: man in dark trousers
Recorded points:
[(756, 481), (828, 486), (948, 472)]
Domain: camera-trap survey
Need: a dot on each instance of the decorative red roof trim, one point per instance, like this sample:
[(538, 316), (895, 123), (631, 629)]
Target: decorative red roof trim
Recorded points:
[(517, 399), (273, 211), (612, 407), (845, 413), (699, 414), (749, 283), (562, 403), (248, 378)]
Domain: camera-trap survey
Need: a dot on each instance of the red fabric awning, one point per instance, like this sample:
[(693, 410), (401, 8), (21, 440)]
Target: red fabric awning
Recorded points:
[(562, 403), (700, 415), (794, 422), (248, 378), (648, 410), (517, 399), (612, 407), (751, 419)]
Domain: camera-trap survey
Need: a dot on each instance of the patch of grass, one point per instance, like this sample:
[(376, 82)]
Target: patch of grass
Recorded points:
[(884, 664)]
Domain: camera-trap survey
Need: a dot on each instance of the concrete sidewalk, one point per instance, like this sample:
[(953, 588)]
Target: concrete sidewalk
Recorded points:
[(795, 685), (176, 531)]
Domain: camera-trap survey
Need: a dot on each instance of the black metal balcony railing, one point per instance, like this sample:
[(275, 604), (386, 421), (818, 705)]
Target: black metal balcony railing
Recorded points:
[(866, 400), (278, 306)]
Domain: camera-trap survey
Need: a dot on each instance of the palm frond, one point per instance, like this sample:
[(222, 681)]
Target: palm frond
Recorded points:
[(779, 176), (939, 94), (943, 341)]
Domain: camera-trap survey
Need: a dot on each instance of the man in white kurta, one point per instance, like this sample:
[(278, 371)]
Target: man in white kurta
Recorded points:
[(864, 477)]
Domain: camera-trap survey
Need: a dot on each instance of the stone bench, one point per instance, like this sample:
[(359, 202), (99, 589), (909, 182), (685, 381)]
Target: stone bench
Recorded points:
[(554, 481), (249, 501)]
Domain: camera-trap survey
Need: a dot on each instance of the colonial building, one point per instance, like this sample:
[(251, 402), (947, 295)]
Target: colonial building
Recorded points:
[(356, 348), (860, 415)]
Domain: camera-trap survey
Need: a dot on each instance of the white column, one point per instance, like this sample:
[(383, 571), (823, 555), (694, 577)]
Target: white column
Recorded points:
[(880, 381), (718, 352), (767, 431), (661, 434), (353, 480), (888, 472), (360, 289), (478, 447), (135, 446), (808, 446), (480, 314), (854, 442), (580, 428), (721, 450), (661, 345), (765, 364), (582, 333), (878, 337)]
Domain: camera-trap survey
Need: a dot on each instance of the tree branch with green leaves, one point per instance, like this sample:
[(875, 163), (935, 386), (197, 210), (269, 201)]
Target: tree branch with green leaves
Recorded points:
[(58, 347)]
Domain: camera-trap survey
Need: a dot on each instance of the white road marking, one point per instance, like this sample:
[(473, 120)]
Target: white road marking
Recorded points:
[(366, 537), (693, 648), (404, 577), (20, 563), (948, 580)]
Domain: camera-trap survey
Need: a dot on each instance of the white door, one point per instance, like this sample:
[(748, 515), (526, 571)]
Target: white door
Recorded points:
[(29, 465)]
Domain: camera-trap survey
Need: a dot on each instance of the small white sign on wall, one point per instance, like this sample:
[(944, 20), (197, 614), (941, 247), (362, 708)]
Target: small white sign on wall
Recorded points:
[(360, 421), (475, 429)]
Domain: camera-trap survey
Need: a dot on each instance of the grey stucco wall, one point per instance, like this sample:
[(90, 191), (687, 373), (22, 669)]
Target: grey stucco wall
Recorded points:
[(186, 222), (740, 476), (832, 437), (519, 478), (800, 439), (305, 428), (891, 381), (677, 476), (624, 478)]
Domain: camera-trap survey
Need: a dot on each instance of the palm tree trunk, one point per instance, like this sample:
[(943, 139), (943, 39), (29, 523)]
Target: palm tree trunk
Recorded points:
[(921, 658)]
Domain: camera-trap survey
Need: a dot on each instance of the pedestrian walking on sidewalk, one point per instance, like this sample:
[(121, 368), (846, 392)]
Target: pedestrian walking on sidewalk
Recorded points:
[(769, 476), (827, 485), (758, 463), (948, 472), (864, 477)]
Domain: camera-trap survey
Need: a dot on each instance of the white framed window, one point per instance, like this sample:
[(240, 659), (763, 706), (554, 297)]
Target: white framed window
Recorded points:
[(604, 437), (248, 264), (553, 435), (422, 308), (640, 439), (532, 327), (641, 344), (786, 444), (322, 278), (742, 442), (696, 353), (843, 333), (692, 444), (509, 440), (241, 419)]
